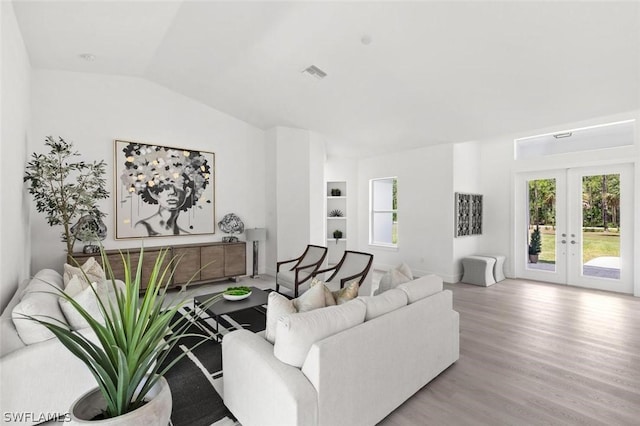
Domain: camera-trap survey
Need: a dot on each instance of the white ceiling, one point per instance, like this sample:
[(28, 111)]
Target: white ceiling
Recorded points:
[(434, 72)]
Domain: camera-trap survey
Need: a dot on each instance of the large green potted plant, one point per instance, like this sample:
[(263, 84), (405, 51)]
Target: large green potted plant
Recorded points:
[(535, 245), (133, 339), (65, 189)]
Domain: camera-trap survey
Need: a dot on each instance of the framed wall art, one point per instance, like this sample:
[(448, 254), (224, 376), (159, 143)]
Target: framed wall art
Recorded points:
[(163, 191), (468, 214)]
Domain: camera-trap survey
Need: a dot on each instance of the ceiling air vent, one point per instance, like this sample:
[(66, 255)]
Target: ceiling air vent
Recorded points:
[(315, 72)]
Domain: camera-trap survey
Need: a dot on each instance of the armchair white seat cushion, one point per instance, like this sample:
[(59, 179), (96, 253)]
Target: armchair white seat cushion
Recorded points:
[(287, 278)]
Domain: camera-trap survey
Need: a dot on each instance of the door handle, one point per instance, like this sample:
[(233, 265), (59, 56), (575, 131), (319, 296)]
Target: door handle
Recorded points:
[(564, 241), (573, 242)]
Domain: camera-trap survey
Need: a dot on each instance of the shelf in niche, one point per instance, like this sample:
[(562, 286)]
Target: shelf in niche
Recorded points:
[(336, 217), (339, 239), (342, 197)]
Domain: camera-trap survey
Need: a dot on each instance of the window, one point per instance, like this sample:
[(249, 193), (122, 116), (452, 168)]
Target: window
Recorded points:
[(383, 203)]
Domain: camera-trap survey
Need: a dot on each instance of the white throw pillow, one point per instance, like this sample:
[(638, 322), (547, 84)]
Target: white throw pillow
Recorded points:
[(394, 277), (422, 287), (383, 303), (91, 268), (296, 333), (86, 298), (277, 306), (311, 299), (329, 300)]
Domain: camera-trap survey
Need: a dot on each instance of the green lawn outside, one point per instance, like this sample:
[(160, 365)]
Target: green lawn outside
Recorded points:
[(596, 244)]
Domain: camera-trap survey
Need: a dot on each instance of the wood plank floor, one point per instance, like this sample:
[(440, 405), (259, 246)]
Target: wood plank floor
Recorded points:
[(536, 354)]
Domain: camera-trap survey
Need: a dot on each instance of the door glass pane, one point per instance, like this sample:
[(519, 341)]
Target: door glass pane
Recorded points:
[(542, 225), (601, 226)]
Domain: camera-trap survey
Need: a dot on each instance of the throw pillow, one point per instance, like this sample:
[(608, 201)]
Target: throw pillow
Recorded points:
[(310, 299), (348, 292), (86, 298), (297, 333), (394, 277), (328, 296), (91, 268), (277, 307)]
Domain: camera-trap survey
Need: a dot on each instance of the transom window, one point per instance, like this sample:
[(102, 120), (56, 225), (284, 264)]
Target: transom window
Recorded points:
[(383, 204)]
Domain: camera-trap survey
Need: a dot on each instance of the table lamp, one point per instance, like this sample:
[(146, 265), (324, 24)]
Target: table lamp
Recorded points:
[(256, 235)]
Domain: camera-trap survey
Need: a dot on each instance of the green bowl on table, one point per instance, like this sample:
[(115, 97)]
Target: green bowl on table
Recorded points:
[(236, 293)]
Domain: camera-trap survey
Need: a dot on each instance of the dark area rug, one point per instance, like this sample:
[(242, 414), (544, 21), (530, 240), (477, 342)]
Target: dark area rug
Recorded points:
[(195, 399)]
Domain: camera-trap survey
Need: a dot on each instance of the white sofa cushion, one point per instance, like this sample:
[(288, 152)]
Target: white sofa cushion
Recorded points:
[(383, 303), (39, 300), (277, 306), (394, 277), (86, 298), (422, 287), (91, 268), (46, 280), (296, 333)]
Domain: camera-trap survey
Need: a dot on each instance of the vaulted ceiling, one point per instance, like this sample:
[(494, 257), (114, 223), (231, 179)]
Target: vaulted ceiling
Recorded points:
[(399, 74)]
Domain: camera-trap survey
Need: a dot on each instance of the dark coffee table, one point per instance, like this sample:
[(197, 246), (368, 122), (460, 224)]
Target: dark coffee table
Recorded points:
[(222, 306)]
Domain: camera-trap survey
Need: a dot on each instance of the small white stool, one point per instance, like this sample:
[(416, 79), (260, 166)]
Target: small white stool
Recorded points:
[(478, 270), (498, 268)]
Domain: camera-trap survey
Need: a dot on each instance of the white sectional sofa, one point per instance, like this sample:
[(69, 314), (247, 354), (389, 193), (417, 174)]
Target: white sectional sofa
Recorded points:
[(401, 340), (42, 378)]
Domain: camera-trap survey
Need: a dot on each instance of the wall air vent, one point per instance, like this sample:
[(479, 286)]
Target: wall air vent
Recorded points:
[(314, 71)]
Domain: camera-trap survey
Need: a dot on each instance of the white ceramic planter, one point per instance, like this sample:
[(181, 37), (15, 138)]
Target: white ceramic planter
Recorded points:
[(155, 412)]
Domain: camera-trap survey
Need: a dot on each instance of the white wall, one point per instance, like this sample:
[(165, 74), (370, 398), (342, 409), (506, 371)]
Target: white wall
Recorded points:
[(467, 179), (92, 110), (425, 209), (14, 117), (317, 188), (295, 176)]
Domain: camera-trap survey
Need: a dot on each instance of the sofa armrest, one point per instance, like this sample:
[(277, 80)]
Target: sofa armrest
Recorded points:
[(261, 390), (41, 380)]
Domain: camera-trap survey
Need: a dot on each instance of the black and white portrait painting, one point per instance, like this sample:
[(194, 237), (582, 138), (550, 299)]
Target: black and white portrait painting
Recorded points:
[(163, 191)]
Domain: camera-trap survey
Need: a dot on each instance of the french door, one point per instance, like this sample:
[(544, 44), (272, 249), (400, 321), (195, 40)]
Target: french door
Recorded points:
[(575, 226)]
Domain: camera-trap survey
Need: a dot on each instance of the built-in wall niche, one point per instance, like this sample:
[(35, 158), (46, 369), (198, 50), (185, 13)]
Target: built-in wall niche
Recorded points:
[(468, 214), (610, 135), (336, 220)]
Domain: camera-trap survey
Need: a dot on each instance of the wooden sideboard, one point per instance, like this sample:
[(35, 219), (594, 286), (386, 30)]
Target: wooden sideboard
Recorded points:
[(197, 263)]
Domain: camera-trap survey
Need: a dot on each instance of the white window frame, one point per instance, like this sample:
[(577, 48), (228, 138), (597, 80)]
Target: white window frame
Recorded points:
[(372, 213)]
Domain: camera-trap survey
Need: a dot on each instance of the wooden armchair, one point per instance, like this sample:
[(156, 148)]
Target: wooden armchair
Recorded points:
[(354, 265), (302, 270)]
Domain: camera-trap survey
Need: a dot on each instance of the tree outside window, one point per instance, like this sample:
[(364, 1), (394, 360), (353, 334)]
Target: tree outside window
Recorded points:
[(384, 212)]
